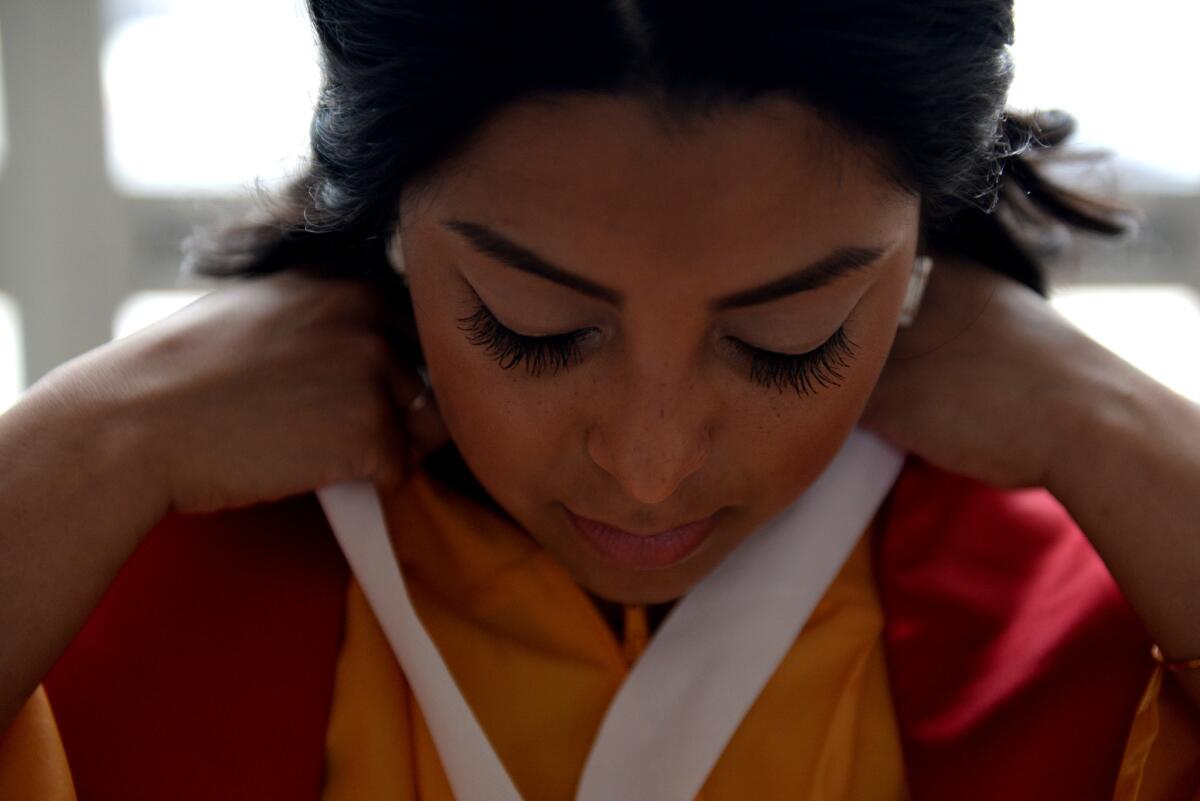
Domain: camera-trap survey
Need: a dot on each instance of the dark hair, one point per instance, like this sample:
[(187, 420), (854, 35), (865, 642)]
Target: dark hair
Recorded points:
[(407, 83)]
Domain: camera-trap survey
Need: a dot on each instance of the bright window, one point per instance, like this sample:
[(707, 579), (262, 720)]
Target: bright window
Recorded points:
[(1154, 327), (1127, 72), (12, 364), (206, 96)]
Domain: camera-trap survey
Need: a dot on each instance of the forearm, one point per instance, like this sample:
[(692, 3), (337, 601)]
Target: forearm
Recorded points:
[(1129, 474), (74, 505)]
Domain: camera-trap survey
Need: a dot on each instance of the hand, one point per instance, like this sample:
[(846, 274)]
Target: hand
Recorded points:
[(980, 384), (263, 389)]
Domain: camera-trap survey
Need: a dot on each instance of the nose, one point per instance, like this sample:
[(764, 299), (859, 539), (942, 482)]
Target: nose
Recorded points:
[(652, 438)]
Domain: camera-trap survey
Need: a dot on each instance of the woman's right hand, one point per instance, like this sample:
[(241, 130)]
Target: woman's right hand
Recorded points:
[(266, 388)]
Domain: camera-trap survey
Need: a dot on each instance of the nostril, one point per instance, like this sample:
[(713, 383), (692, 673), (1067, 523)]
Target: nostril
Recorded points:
[(652, 451)]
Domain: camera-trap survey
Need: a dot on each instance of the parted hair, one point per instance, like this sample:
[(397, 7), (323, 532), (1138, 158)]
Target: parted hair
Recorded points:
[(922, 86)]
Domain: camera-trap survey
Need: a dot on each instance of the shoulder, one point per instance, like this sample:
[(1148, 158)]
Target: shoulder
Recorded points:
[(263, 543), (216, 572), (1009, 645), (932, 502), (218, 629), (213, 574), (1014, 540), (997, 556)]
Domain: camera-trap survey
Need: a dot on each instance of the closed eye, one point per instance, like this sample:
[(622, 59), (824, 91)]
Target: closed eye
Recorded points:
[(822, 367)]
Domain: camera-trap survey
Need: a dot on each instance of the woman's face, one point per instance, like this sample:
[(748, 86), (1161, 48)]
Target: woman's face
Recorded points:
[(674, 255)]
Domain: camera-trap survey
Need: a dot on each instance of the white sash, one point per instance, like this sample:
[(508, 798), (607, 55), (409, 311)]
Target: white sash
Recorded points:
[(701, 671)]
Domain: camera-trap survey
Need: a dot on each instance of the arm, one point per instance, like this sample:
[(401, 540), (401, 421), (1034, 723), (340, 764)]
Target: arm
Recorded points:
[(75, 502), (1129, 473)]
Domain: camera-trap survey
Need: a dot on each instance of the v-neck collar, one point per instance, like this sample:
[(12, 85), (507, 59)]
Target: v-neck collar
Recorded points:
[(703, 669)]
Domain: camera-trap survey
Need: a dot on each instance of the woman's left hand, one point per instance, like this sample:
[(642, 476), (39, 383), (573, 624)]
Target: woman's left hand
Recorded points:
[(992, 383), (981, 384)]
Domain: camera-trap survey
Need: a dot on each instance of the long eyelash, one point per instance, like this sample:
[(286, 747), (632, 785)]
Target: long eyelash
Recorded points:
[(553, 353), (805, 372)]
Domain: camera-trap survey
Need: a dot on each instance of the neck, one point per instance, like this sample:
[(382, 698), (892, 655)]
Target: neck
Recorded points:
[(613, 613)]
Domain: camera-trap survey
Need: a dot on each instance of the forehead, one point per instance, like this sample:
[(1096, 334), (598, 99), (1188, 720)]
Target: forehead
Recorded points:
[(614, 168)]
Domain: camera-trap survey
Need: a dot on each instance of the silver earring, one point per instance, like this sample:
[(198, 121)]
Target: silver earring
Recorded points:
[(916, 288), (396, 258)]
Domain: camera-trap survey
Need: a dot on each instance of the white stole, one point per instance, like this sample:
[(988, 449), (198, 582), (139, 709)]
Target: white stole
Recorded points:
[(701, 671)]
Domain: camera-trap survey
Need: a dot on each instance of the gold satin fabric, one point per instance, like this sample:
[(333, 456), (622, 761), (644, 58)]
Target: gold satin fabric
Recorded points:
[(538, 665), (33, 765)]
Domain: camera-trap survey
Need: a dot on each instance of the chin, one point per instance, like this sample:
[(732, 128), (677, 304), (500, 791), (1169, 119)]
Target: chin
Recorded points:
[(640, 587), (640, 596)]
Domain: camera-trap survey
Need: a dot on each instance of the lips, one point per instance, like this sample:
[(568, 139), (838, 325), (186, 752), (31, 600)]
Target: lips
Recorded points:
[(656, 533), (629, 551)]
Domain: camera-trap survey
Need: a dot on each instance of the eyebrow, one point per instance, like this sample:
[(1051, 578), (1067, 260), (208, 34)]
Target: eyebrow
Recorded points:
[(841, 262)]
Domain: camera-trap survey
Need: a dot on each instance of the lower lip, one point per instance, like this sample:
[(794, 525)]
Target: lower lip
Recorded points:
[(632, 552)]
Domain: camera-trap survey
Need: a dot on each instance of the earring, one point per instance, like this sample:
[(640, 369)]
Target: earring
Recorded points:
[(395, 254), (916, 288)]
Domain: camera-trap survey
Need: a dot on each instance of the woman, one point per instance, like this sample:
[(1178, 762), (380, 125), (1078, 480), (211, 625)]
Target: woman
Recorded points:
[(653, 259)]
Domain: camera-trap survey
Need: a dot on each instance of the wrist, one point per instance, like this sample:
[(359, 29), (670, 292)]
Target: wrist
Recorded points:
[(1105, 415), (104, 418)]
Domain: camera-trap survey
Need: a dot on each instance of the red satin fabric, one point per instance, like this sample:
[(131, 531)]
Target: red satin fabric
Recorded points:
[(1016, 665), (206, 671)]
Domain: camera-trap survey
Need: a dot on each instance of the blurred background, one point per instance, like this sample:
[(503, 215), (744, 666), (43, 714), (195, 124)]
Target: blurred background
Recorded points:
[(126, 123)]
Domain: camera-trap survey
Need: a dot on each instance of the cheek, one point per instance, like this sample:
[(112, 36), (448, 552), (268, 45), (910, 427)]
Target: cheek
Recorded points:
[(781, 444), (787, 440), (481, 413), (506, 428)]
